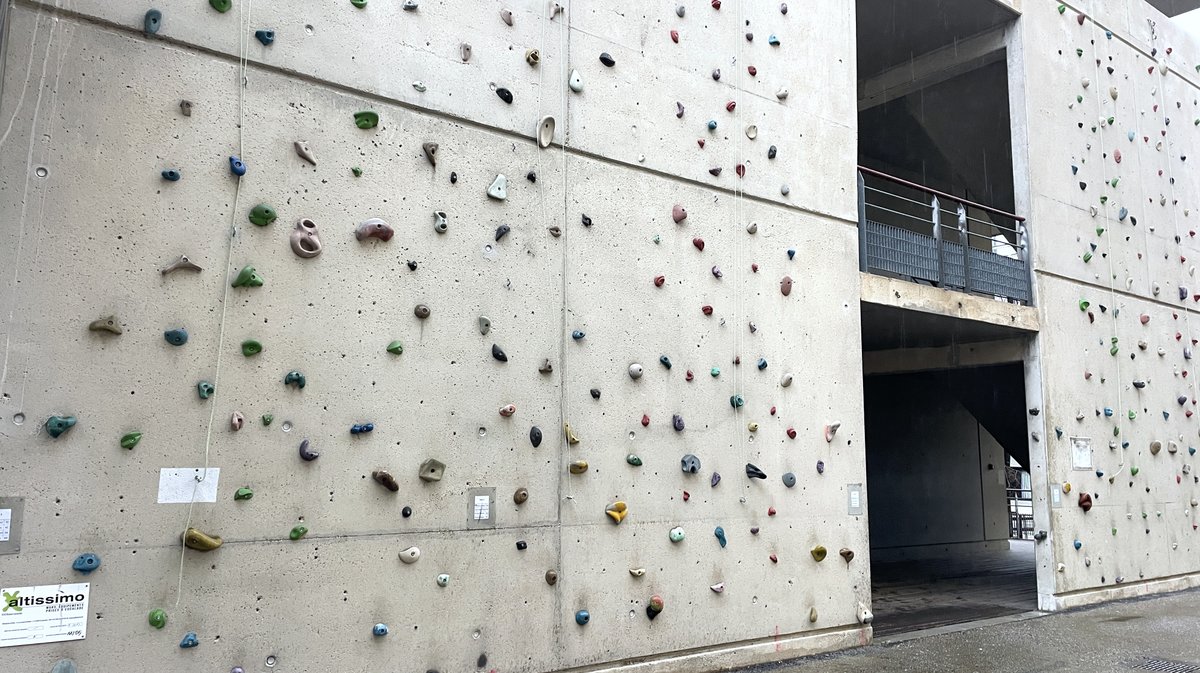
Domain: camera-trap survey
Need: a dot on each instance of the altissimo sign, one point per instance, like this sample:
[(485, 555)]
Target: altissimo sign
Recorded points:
[(43, 614)]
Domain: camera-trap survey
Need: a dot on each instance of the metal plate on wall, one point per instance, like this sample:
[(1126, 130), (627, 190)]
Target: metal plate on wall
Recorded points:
[(12, 511), (481, 507)]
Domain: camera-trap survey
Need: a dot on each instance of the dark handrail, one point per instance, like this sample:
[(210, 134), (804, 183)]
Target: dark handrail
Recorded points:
[(928, 190)]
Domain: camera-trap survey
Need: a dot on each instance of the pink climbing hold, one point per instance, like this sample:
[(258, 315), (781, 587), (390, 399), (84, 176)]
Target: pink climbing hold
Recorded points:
[(770, 511), (741, 170), (688, 376), (752, 70), (772, 411), (678, 213), (706, 310), (675, 36), (686, 496), (730, 106), (1145, 318), (700, 142), (785, 284), (831, 430), (699, 243), (754, 267), (774, 558), (508, 410), (1117, 156), (659, 280)]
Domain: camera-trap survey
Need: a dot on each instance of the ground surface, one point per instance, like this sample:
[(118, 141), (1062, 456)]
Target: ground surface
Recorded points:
[(1160, 633)]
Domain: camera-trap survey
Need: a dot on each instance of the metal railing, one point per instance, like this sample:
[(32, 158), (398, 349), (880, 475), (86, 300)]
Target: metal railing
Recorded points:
[(1020, 514), (925, 235)]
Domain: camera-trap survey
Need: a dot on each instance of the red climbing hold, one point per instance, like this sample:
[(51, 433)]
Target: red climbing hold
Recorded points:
[(741, 170), (774, 558), (730, 106), (1085, 501), (645, 420), (706, 310), (659, 280), (686, 496), (699, 243), (791, 433), (752, 70), (716, 4), (688, 376), (772, 411), (675, 36), (754, 267), (700, 142), (770, 511)]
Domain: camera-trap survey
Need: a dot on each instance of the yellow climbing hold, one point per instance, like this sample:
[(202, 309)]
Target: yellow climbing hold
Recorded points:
[(579, 467), (200, 541), (617, 511), (818, 553)]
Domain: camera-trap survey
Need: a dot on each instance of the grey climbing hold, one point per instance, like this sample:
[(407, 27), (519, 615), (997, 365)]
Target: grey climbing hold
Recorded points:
[(439, 221), (690, 464), (607, 59), (781, 94), (181, 264), (386, 480), (306, 453), (789, 479), (679, 11), (506, 16), (533, 57), (499, 188), (677, 422), (409, 5), (502, 231), (421, 311), (432, 470), (485, 324), (64, 666), (545, 131), (304, 240), (185, 107), (108, 324), (498, 353), (595, 393), (430, 150), (464, 51), (575, 82)]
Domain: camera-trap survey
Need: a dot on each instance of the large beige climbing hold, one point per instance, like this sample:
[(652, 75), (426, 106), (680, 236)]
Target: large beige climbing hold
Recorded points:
[(865, 616), (410, 555), (831, 430), (200, 541), (1155, 447)]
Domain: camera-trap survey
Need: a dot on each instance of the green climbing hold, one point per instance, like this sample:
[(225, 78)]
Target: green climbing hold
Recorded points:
[(1078, 99), (1062, 9), (634, 460), (251, 347), (205, 389), (1087, 257), (1079, 53), (395, 348), (1099, 231), (1133, 471), (366, 119), (1132, 414), (221, 6), (130, 440), (298, 532), (158, 618), (243, 493), (715, 371), (1084, 304), (359, 3), (248, 277), (356, 171), (262, 215), (1114, 180), (57, 425), (267, 418)]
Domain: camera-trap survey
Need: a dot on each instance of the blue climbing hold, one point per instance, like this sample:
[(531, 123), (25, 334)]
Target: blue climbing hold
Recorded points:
[(57, 425), (773, 41), (666, 361), (152, 22), (86, 563), (176, 337), (380, 629), (266, 37), (762, 363), (172, 174), (712, 125), (1191, 450), (1108, 412), (720, 533), (1166, 415), (1108, 34), (791, 253), (1078, 544), (1122, 214), (236, 166), (577, 335), (583, 617), (737, 401), (360, 428), (189, 640)]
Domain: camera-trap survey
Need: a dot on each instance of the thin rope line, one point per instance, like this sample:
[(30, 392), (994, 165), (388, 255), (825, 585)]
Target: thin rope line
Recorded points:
[(564, 34)]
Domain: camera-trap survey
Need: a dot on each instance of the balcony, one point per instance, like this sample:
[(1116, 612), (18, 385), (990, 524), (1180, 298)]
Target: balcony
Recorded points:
[(927, 236)]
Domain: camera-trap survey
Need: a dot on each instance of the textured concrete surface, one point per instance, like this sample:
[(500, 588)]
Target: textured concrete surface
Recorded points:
[(1115, 637)]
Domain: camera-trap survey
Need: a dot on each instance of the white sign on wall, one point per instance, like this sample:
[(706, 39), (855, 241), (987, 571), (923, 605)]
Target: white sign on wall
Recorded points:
[(1081, 453), (43, 614), (182, 485)]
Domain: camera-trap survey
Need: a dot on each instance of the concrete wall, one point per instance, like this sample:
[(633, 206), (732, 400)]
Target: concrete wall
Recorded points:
[(1135, 218), (936, 476), (89, 116)]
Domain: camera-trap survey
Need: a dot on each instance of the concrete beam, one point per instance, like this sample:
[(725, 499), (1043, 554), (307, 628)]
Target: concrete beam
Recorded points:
[(897, 293), (932, 68), (908, 360)]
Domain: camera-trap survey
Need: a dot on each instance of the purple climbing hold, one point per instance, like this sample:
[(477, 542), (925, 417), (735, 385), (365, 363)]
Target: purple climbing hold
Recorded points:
[(820, 467), (716, 479), (677, 422)]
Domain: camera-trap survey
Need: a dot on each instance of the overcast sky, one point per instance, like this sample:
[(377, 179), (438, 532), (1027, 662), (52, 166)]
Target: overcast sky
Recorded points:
[(1190, 21)]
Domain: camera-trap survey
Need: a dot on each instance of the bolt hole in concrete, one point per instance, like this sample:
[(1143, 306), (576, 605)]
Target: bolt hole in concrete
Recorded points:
[(308, 29), (18, 418), (483, 432), (271, 661), (41, 171), (287, 426)]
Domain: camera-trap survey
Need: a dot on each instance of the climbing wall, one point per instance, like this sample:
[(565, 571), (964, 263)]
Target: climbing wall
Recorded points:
[(532, 332), (1113, 104)]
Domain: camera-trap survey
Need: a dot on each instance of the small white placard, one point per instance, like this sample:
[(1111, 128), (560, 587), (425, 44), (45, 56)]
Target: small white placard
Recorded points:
[(43, 614), (483, 508), (1081, 453), (5, 524), (183, 485)]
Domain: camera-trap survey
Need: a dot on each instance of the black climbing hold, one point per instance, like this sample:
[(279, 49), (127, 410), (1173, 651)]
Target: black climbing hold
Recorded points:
[(531, 176), (587, 221), (406, 512), (498, 353), (505, 95), (677, 422), (306, 453), (607, 59), (522, 545), (753, 472), (481, 662), (535, 436), (595, 393), (453, 177), (771, 152), (171, 175), (412, 266), (502, 231)]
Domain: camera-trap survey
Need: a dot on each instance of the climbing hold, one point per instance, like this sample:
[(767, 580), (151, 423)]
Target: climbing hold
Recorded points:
[(791, 433), (267, 418), (865, 616), (205, 389), (248, 277), (1077, 544), (432, 470), (359, 3), (690, 464), (443, 580), (508, 410), (521, 495), (502, 231), (820, 467), (1085, 501), (151, 22), (818, 553), (720, 534), (297, 532), (545, 131), (664, 361), (499, 188), (654, 606), (551, 577), (582, 617), (406, 512), (572, 438), (607, 59), (773, 41), (579, 467), (307, 454), (395, 348), (771, 152), (366, 119), (385, 479), (737, 401), (109, 324), (762, 364), (752, 131), (717, 588), (577, 335), (831, 430), (498, 353), (262, 215), (781, 94), (304, 240), (1155, 447), (130, 440), (505, 95), (86, 563), (773, 557), (181, 264), (409, 5), (847, 554), (176, 337), (421, 311), (379, 630), (634, 460), (535, 436), (439, 221), (295, 378), (677, 422), (373, 228), (266, 37), (617, 511), (676, 534), (237, 420), (789, 479), (575, 82), (157, 618), (506, 16), (189, 638), (753, 472), (195, 539), (171, 174), (636, 370), (410, 555), (243, 493), (236, 166)]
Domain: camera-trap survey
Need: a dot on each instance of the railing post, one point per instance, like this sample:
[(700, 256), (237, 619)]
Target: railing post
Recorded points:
[(966, 247), (1023, 255), (862, 223), (937, 235)]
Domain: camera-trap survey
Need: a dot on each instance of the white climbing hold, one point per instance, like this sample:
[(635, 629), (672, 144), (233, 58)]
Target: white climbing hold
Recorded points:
[(506, 16), (575, 82), (637, 572), (752, 228), (719, 587), (865, 616), (1062, 567), (752, 131), (419, 86), (1086, 82), (781, 94), (464, 50), (410, 555), (1112, 91), (545, 131), (831, 430), (635, 371), (499, 188), (786, 380)]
